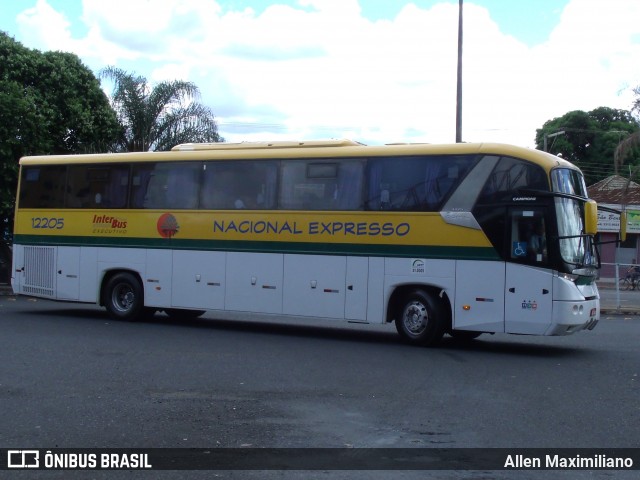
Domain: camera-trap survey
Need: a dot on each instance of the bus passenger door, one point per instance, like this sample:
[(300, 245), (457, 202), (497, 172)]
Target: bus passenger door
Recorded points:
[(528, 299), (529, 281)]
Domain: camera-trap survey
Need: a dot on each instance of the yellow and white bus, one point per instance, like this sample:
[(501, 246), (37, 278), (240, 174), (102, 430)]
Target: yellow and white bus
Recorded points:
[(459, 239)]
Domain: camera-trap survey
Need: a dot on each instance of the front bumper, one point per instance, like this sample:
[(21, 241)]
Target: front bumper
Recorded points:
[(572, 316)]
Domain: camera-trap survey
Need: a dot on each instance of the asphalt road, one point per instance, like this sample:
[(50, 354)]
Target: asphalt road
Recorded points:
[(71, 377)]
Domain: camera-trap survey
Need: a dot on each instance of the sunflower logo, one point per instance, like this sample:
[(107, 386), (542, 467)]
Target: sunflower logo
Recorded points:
[(167, 225)]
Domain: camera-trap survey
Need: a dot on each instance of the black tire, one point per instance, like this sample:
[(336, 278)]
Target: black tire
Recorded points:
[(464, 335), (124, 297), (420, 318), (183, 314)]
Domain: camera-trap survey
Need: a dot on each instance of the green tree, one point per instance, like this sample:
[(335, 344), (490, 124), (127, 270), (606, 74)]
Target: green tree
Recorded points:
[(161, 117), (589, 139), (50, 103)]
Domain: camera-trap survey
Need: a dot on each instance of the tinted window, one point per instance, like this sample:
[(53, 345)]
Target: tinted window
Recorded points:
[(511, 175), (414, 183), (43, 187), (171, 185), (321, 185), (528, 238), (97, 186), (237, 185)]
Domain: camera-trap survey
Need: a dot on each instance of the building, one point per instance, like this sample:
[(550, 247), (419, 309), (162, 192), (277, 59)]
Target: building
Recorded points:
[(617, 192)]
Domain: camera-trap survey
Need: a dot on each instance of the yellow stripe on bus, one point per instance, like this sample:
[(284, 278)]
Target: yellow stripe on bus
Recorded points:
[(374, 228)]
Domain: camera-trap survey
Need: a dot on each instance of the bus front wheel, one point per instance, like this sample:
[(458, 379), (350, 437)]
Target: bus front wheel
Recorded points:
[(420, 319), (124, 297)]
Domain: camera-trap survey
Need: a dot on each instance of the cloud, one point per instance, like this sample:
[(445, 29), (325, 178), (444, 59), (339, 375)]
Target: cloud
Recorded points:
[(43, 27), (320, 69), (261, 53)]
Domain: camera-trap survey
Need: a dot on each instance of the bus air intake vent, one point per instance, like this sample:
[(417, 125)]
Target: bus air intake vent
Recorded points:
[(39, 271)]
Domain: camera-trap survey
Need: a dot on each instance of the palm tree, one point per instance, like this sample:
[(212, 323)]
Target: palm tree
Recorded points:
[(161, 117), (626, 146)]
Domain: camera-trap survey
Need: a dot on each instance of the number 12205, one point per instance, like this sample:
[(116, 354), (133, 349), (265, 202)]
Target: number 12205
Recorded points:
[(46, 222)]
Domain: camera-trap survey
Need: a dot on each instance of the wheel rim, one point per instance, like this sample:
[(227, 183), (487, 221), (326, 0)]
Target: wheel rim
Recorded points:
[(123, 298), (415, 318)]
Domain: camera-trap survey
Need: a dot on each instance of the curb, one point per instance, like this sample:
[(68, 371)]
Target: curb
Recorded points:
[(622, 311)]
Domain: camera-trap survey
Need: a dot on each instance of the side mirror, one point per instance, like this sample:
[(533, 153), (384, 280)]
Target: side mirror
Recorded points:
[(591, 217), (623, 226)]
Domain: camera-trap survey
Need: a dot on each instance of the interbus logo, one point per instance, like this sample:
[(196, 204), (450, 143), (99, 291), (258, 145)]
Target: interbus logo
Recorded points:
[(108, 224), (23, 459)]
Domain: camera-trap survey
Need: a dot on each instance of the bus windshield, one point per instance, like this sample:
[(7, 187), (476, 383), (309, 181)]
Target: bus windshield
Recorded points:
[(576, 248)]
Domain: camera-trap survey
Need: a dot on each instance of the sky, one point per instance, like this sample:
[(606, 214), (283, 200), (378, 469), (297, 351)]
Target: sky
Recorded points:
[(375, 71)]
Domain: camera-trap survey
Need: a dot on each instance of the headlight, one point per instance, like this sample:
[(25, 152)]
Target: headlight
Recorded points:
[(585, 272), (569, 276)]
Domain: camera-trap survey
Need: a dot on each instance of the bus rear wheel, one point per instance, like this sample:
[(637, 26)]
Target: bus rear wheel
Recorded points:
[(420, 319), (124, 297)]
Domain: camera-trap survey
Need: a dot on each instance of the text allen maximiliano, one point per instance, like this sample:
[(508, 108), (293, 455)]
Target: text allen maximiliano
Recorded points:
[(558, 461)]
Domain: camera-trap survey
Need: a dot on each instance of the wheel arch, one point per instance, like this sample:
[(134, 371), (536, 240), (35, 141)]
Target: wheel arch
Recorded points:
[(108, 274), (401, 291)]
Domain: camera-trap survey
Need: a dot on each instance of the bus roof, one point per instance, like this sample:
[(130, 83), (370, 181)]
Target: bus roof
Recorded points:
[(185, 147), (303, 149)]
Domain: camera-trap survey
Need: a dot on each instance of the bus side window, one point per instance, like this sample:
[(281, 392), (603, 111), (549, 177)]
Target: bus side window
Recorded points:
[(239, 185), (78, 192), (183, 184), (140, 179), (43, 186), (418, 183), (166, 186), (318, 185), (155, 195), (215, 193), (348, 188), (97, 186), (114, 190)]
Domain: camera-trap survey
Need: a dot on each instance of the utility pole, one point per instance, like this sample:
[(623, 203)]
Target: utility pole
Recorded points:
[(562, 132), (459, 85)]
